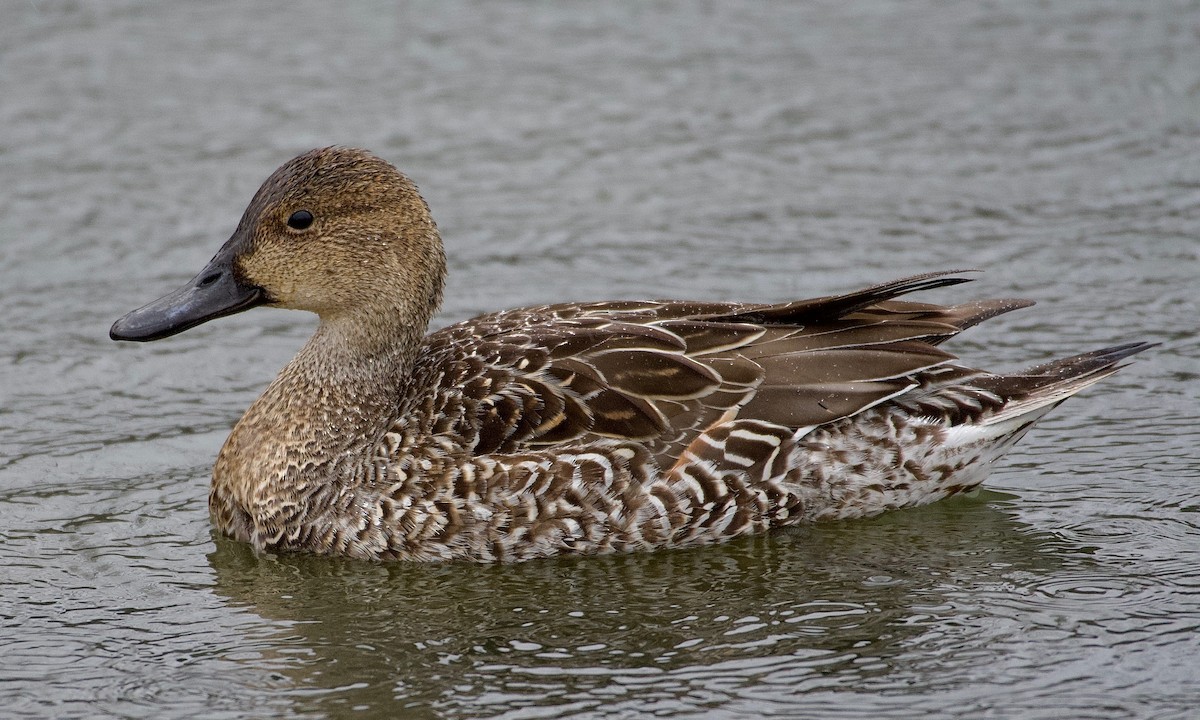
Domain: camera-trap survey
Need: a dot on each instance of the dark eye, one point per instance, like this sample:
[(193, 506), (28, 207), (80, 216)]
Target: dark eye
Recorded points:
[(300, 220)]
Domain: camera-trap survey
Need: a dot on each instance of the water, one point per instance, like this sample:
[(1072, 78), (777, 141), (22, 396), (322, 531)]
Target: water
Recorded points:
[(730, 150)]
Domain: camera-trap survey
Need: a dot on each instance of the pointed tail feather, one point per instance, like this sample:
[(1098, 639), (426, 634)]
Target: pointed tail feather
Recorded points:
[(1048, 384)]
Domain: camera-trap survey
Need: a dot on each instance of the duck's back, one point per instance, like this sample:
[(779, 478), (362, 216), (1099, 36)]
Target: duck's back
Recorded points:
[(617, 426), (661, 373)]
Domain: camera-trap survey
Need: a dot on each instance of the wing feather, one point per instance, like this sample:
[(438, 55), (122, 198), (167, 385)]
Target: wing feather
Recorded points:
[(664, 373)]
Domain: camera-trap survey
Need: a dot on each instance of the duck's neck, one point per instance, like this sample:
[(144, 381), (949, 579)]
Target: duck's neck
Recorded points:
[(327, 409)]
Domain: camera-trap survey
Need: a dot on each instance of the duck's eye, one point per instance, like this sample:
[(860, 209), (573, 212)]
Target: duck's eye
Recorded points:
[(300, 220)]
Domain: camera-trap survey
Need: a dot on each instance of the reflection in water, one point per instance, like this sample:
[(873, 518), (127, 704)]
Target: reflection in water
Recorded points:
[(849, 607)]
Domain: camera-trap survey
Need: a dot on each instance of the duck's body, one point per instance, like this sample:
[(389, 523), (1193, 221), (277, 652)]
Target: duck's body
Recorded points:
[(573, 428)]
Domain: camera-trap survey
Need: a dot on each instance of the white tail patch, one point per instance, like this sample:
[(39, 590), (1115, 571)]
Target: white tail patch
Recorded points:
[(999, 429)]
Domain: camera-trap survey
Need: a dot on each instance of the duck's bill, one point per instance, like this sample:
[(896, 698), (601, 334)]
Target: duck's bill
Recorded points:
[(215, 292)]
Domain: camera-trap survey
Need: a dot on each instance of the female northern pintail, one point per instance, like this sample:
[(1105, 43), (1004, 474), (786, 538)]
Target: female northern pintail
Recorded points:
[(576, 428)]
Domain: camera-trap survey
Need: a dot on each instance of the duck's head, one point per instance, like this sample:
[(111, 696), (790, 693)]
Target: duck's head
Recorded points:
[(335, 231)]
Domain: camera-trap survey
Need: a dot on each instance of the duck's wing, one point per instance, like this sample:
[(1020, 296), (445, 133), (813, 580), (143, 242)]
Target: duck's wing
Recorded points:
[(663, 372)]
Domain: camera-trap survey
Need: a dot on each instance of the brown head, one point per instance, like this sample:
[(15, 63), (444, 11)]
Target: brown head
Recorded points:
[(336, 231)]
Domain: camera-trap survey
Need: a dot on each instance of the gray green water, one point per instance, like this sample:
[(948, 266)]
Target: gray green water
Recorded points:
[(576, 151)]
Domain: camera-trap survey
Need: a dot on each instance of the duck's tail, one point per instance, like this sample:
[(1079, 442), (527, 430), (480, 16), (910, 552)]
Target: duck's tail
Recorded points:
[(1043, 387), (1023, 398), (944, 440)]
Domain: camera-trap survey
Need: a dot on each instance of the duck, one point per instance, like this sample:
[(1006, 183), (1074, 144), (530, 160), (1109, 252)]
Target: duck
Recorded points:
[(576, 428)]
